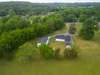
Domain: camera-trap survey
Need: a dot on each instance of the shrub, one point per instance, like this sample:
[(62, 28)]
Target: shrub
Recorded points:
[(46, 52), (57, 53), (72, 29), (27, 53), (70, 53)]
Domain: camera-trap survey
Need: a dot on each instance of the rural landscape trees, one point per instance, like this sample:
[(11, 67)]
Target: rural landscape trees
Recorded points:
[(88, 29), (49, 38), (21, 24), (16, 31)]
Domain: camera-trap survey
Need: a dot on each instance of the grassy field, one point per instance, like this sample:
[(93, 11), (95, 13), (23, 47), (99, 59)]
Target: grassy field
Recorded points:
[(88, 62)]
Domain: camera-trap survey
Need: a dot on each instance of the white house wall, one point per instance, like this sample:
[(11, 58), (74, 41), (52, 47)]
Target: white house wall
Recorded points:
[(62, 40), (47, 42)]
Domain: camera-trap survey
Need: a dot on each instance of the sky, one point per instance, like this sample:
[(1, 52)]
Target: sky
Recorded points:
[(51, 1)]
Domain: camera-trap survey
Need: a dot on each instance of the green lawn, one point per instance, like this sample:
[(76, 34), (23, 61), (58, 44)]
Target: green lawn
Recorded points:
[(88, 62), (81, 66)]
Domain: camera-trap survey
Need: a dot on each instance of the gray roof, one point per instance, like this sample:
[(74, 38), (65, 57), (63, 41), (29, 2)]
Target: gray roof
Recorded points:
[(60, 37), (68, 39), (43, 39)]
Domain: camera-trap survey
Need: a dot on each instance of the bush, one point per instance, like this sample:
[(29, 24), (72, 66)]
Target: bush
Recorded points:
[(57, 53), (70, 53), (27, 53), (72, 29), (46, 52)]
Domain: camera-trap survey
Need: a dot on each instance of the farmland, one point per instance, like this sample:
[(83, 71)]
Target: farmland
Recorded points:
[(87, 63), (28, 33)]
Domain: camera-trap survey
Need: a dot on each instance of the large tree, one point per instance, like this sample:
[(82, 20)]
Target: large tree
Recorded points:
[(87, 31)]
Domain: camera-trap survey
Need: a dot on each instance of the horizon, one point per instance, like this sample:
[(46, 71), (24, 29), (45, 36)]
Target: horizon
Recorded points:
[(53, 1)]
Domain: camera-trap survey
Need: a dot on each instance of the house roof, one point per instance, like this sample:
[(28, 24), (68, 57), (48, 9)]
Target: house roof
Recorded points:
[(43, 39), (60, 37), (68, 39)]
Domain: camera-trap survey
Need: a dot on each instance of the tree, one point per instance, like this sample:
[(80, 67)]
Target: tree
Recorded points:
[(70, 18), (54, 21), (11, 12), (83, 18), (46, 51), (87, 31), (71, 53), (16, 31), (13, 23), (72, 29)]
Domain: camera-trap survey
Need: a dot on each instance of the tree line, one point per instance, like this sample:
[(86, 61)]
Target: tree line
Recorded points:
[(27, 8), (15, 30), (10, 41)]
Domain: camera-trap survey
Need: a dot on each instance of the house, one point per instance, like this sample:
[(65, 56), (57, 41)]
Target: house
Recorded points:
[(43, 40), (60, 38), (65, 38)]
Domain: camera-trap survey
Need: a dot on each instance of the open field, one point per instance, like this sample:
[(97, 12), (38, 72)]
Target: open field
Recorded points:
[(82, 66), (88, 62)]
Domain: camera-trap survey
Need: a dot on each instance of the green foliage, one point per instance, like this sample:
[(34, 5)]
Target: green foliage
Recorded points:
[(57, 53), (52, 21), (46, 52), (9, 42), (55, 21), (22, 31), (70, 15), (12, 23), (37, 19), (16, 30), (70, 53), (25, 8), (11, 13), (70, 18), (72, 29), (27, 52), (83, 18), (88, 29)]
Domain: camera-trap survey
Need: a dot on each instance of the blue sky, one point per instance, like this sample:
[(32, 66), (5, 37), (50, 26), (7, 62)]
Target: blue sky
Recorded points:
[(46, 1)]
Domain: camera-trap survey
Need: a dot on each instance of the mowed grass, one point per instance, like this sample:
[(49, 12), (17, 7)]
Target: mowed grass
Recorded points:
[(88, 62), (51, 67)]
